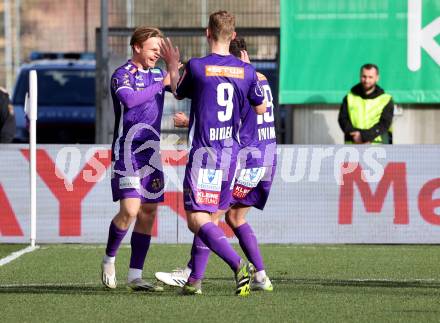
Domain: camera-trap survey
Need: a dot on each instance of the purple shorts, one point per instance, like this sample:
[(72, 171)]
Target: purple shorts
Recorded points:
[(207, 190), (252, 186), (148, 186)]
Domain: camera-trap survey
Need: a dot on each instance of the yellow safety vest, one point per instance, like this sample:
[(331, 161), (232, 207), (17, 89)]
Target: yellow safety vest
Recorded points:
[(365, 113)]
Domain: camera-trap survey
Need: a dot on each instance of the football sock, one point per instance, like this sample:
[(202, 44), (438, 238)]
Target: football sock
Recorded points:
[(140, 243), (260, 275), (133, 274), (199, 258), (215, 239), (248, 242), (108, 259), (115, 237)]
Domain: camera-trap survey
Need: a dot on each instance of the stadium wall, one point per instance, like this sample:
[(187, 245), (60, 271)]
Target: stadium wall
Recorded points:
[(412, 124), (321, 194)]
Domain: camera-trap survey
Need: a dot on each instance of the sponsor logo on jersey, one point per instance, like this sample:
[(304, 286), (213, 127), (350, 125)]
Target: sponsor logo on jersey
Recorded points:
[(139, 77), (209, 185), (157, 79), (207, 197), (129, 182), (156, 71), (224, 71), (210, 179), (156, 184), (240, 192), (250, 177), (140, 84)]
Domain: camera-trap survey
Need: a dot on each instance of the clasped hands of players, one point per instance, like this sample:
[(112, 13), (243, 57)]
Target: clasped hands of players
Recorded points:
[(181, 120)]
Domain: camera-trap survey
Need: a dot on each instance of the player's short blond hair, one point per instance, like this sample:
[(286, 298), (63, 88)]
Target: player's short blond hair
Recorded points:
[(221, 25), (142, 33)]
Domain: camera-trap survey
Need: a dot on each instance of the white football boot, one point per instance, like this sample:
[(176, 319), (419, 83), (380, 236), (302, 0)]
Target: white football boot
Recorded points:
[(108, 276), (177, 277)]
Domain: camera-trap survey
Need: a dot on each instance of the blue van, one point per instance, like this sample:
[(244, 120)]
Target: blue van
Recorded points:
[(66, 99)]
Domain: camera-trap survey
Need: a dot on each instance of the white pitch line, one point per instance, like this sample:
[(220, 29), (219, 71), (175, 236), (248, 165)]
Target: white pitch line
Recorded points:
[(16, 254), (50, 284), (81, 247)]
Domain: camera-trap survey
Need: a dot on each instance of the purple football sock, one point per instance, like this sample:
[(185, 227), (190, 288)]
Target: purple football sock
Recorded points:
[(140, 243), (115, 237), (248, 242), (215, 239), (199, 259)]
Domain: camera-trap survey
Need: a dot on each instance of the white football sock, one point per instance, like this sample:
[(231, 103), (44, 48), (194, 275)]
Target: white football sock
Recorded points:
[(108, 259), (260, 275), (134, 273)]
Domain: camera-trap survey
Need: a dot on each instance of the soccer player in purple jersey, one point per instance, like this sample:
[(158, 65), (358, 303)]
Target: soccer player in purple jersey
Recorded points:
[(218, 85), (137, 90), (252, 184)]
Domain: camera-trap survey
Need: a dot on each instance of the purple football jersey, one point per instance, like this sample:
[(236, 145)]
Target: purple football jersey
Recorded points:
[(138, 97), (257, 133), (219, 87)]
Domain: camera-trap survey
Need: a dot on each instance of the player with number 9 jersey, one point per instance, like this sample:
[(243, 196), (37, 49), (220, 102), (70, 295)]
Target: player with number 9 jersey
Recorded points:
[(219, 87)]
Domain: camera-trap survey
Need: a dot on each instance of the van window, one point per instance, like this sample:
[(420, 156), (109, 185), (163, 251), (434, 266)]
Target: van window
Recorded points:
[(59, 87)]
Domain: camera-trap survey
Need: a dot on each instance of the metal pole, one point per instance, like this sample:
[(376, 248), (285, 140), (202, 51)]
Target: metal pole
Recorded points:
[(129, 19), (33, 99), (203, 24), (8, 44), (101, 126), (129, 12), (17, 52), (104, 28), (86, 25)]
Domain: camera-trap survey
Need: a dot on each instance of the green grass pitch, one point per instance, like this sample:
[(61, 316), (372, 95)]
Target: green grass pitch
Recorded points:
[(312, 283)]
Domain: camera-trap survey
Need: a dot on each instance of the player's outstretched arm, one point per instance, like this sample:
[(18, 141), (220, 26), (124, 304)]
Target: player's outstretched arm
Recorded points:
[(181, 120), (131, 98)]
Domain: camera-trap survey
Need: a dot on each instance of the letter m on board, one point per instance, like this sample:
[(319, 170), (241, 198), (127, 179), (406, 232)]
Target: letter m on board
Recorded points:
[(394, 177)]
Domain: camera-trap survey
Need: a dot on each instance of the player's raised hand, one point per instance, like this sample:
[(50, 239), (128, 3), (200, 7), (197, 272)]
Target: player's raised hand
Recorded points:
[(244, 56), (171, 56), (169, 53), (180, 120)]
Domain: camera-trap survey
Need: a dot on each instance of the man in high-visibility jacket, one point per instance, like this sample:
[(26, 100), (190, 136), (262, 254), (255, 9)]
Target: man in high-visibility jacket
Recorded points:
[(366, 112)]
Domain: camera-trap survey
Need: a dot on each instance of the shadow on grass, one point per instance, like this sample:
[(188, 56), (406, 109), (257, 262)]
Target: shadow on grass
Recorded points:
[(346, 282), (76, 289), (319, 284), (361, 282)]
